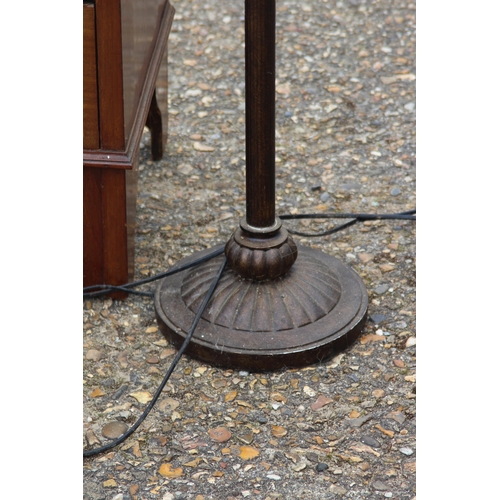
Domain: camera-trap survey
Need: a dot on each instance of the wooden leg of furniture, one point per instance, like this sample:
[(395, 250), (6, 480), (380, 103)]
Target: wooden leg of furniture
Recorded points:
[(154, 123)]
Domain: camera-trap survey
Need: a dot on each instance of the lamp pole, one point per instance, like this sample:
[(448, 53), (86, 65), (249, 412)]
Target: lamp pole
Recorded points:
[(280, 305)]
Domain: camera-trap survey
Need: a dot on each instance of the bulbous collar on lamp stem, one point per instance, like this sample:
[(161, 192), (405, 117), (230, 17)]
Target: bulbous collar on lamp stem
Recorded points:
[(265, 255)]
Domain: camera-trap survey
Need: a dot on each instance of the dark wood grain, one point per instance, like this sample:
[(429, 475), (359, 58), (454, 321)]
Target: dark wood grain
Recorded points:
[(110, 75), (125, 47), (92, 228), (90, 97), (114, 223)]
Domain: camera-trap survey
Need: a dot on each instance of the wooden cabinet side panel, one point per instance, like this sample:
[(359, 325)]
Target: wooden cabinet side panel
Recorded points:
[(109, 74), (114, 221), (92, 228), (90, 98), (140, 28)]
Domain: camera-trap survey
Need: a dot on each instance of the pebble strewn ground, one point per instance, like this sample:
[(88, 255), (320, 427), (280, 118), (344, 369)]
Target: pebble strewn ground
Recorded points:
[(345, 122)]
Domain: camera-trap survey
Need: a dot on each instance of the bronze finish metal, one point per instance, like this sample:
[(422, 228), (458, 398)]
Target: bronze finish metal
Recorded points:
[(257, 256), (317, 309), (278, 305)]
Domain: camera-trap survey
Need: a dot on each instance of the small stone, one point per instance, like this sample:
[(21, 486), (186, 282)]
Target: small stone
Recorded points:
[(380, 486), (193, 463), (184, 169), (406, 451), (153, 360), (248, 452), (398, 416), (387, 432), (399, 363), (378, 318), (395, 192), (338, 490), (410, 467), (365, 257), (142, 396), (277, 396), (91, 438), (166, 470), (386, 268), (283, 89), (371, 337), (109, 382), (370, 441), (230, 396), (320, 402), (378, 393), (246, 438), (261, 419), (278, 431), (387, 80), (321, 466), (399, 325), (381, 289), (274, 477), (96, 393), (114, 429), (310, 392), (94, 355), (204, 148), (168, 405), (120, 392), (358, 422), (411, 341)]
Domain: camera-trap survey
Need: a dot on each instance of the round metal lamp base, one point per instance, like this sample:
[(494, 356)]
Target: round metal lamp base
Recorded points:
[(318, 308)]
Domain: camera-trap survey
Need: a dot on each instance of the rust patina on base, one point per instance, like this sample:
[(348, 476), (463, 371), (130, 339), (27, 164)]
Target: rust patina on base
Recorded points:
[(317, 309)]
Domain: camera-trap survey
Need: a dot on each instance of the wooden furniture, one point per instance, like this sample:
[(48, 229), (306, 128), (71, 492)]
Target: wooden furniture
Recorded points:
[(124, 89)]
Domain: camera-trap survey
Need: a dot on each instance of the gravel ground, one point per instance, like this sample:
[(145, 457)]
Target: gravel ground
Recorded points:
[(345, 142)]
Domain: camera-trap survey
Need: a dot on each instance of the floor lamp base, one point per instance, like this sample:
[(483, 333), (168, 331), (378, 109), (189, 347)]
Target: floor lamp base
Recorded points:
[(317, 309)]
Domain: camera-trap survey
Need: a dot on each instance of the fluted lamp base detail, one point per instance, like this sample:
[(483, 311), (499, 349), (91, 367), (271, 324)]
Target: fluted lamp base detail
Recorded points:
[(315, 309)]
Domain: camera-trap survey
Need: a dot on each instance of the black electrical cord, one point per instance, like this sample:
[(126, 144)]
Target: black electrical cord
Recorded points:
[(409, 215), (201, 309), (128, 286)]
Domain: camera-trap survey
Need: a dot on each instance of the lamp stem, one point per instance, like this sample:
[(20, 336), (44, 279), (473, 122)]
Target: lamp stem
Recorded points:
[(260, 62)]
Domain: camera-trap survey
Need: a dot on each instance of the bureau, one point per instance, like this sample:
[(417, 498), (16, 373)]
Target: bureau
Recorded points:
[(125, 88)]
